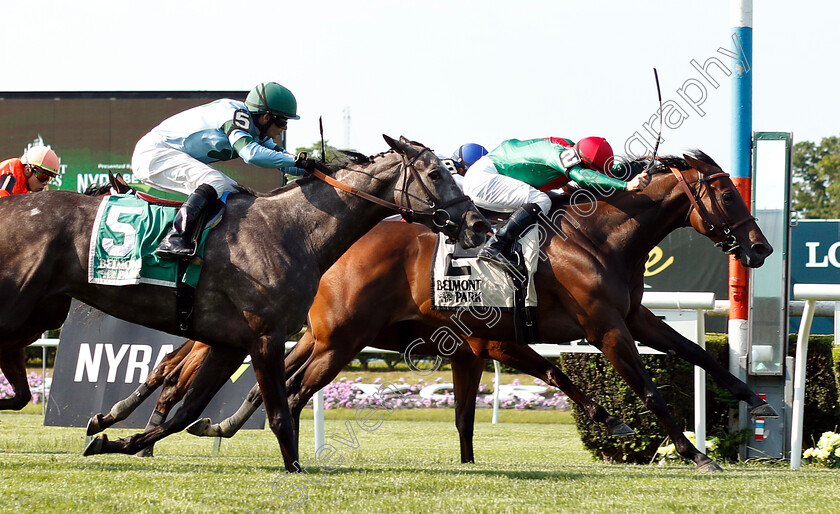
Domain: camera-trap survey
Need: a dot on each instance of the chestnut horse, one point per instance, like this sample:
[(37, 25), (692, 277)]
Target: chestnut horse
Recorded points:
[(261, 269), (589, 284)]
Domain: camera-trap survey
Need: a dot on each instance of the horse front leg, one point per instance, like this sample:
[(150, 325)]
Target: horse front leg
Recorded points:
[(652, 331), (525, 359), (13, 365), (212, 375), (619, 347), (229, 426), (267, 358), (466, 377), (123, 408)]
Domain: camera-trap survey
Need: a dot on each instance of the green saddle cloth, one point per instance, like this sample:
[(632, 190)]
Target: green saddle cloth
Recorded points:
[(126, 232)]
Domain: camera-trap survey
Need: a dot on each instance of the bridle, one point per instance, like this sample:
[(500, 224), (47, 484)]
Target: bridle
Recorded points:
[(435, 212), (729, 244)]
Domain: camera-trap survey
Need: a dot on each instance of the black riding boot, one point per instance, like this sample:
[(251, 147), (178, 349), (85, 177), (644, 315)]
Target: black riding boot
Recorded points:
[(178, 242), (500, 247)]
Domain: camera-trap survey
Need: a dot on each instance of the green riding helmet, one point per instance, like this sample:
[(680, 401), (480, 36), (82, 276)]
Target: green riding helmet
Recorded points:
[(274, 99)]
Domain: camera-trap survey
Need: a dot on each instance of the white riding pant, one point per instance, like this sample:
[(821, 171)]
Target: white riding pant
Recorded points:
[(490, 190), (157, 164)]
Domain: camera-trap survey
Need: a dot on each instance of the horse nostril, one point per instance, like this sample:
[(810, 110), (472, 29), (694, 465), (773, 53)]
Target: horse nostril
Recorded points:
[(762, 249)]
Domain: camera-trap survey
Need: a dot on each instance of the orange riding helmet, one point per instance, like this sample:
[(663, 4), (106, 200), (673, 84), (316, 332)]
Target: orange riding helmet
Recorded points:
[(42, 157)]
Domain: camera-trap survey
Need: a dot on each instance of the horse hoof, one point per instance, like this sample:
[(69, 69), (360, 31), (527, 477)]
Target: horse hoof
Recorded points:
[(709, 466), (146, 452), (621, 430), (765, 410), (94, 425), (200, 427), (95, 446)]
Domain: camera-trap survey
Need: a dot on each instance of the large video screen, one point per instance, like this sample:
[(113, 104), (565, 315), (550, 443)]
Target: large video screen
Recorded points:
[(95, 132)]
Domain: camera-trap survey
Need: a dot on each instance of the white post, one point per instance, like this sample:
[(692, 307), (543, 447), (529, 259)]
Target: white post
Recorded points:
[(799, 385), (700, 387), (44, 378), (811, 293), (836, 322), (496, 387), (318, 414)]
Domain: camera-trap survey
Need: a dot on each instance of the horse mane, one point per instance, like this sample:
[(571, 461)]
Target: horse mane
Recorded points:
[(344, 159)]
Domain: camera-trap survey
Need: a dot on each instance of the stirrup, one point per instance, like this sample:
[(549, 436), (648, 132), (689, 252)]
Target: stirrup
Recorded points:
[(168, 250), (492, 254)]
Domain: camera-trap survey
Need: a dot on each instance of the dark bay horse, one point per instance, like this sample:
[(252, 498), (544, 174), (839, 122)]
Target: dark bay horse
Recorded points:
[(262, 266), (589, 285)]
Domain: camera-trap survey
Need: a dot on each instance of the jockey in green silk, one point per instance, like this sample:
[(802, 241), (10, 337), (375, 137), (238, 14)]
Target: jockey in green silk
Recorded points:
[(514, 176)]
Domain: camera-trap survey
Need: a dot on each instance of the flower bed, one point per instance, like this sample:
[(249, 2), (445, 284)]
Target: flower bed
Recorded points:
[(352, 394), (35, 382), (827, 451)]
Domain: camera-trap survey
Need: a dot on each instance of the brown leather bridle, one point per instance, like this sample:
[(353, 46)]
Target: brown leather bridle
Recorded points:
[(730, 242), (438, 214)]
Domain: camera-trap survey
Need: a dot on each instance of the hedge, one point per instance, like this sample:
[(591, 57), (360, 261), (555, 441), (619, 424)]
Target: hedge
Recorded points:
[(675, 380)]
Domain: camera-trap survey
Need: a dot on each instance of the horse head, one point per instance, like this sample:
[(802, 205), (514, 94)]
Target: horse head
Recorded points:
[(720, 213), (427, 193)]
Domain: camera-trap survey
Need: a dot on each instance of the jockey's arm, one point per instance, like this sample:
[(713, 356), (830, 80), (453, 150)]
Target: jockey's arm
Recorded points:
[(257, 154), (586, 176), (7, 184)]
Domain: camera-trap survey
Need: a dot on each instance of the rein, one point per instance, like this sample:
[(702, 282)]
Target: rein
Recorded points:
[(438, 214), (730, 243)]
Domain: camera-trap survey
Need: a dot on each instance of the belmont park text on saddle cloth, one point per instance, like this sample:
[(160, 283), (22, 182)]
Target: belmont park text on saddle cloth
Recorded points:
[(466, 281)]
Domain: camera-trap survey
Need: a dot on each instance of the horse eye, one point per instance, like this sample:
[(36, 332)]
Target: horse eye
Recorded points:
[(434, 174), (727, 198)]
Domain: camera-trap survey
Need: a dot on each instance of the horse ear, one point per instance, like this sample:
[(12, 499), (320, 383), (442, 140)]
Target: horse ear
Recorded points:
[(391, 141), (400, 147), (702, 166)]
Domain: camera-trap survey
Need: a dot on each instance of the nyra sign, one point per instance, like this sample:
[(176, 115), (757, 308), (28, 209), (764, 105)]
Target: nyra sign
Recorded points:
[(102, 360)]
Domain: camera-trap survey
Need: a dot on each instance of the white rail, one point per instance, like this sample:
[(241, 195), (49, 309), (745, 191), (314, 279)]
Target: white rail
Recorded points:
[(810, 293)]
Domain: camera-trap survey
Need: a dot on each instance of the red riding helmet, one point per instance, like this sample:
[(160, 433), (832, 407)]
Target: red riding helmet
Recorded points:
[(595, 153)]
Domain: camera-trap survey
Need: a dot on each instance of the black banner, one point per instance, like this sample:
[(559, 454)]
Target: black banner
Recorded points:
[(688, 261), (102, 360)]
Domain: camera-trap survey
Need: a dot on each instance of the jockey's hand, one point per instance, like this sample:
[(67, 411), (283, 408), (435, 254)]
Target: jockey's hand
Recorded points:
[(304, 163), (639, 182)]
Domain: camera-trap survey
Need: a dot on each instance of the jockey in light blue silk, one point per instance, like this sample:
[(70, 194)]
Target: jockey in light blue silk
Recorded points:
[(176, 155)]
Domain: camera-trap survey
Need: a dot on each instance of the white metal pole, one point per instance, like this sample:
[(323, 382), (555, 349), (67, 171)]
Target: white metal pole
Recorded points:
[(836, 322), (799, 385), (700, 387), (318, 414), (43, 377), (496, 387)]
